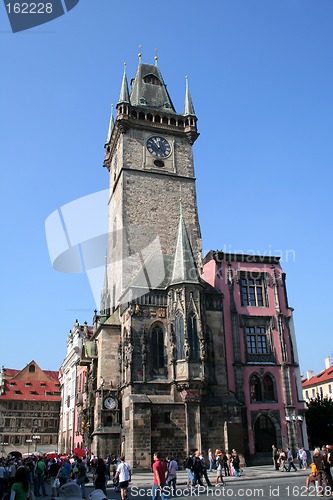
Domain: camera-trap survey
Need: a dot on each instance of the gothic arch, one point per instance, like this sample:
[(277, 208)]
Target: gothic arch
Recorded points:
[(264, 431), (179, 331), (255, 387), (158, 352), (269, 387), (192, 336)]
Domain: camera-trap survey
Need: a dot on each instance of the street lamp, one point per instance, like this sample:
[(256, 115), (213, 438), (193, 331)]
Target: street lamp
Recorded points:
[(28, 441), (36, 438)]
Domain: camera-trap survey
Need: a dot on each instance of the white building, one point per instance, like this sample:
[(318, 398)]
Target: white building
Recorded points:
[(319, 385)]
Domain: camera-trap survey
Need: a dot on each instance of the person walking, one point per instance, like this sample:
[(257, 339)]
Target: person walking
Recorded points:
[(81, 476), (159, 469), (204, 469), (100, 476), (197, 469), (282, 460), (188, 463), (124, 474), (211, 459), (225, 460), (235, 463), (219, 467), (172, 474), (275, 457), (39, 478), (290, 460)]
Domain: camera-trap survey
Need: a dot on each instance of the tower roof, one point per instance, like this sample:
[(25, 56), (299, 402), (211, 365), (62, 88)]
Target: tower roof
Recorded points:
[(124, 93), (149, 89), (188, 105), (184, 266)]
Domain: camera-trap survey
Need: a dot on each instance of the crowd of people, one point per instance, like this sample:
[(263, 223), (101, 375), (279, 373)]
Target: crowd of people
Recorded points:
[(67, 476), (22, 479)]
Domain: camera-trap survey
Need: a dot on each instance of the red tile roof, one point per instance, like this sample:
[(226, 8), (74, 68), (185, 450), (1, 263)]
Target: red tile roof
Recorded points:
[(38, 385), (322, 378)]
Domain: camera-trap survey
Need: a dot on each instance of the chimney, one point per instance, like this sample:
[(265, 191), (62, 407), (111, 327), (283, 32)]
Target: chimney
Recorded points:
[(327, 362), (309, 374)]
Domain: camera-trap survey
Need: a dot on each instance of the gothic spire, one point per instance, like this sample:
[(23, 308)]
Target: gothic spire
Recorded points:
[(111, 125), (188, 106), (105, 295), (184, 266), (124, 93)]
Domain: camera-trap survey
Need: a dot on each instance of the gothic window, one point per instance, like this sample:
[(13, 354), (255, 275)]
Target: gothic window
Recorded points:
[(255, 388), (152, 79), (253, 292), (158, 362), (268, 388), (256, 340), (179, 333), (192, 333)]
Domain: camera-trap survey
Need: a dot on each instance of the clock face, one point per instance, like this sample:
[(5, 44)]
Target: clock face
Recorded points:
[(158, 146), (110, 403)]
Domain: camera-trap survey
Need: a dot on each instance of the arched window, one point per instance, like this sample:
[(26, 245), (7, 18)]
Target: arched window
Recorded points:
[(192, 333), (152, 79), (157, 340), (179, 333), (32, 368), (268, 388), (255, 388)]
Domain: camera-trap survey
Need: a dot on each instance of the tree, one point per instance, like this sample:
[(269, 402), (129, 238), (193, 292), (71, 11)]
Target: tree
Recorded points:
[(319, 421)]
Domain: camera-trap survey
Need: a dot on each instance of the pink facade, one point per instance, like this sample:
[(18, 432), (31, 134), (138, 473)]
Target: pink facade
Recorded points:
[(260, 349)]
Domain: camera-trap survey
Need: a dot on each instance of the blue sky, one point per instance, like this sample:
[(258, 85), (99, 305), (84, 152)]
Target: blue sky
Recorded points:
[(261, 79)]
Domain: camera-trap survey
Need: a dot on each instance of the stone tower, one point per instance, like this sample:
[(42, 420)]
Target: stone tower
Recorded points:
[(160, 371)]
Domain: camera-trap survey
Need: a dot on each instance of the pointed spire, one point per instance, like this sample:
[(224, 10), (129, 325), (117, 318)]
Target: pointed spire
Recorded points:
[(156, 57), (124, 93), (184, 266), (188, 107), (111, 125), (105, 295)]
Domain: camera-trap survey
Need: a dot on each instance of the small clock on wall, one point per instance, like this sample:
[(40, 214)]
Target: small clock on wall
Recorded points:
[(110, 403), (158, 147)]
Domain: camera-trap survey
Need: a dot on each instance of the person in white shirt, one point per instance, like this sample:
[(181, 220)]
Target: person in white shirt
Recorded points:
[(124, 474)]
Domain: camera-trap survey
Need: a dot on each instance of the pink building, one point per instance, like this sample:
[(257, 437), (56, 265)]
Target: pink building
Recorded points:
[(260, 348)]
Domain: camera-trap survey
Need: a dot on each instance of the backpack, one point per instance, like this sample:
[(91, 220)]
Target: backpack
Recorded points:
[(38, 471)]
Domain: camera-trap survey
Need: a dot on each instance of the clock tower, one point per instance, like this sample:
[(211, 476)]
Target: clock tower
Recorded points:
[(159, 338), (148, 153)]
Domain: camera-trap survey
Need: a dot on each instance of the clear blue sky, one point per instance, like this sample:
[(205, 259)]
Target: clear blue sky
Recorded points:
[(261, 79)]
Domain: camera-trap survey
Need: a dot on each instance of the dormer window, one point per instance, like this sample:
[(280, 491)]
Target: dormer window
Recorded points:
[(152, 79), (142, 100)]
